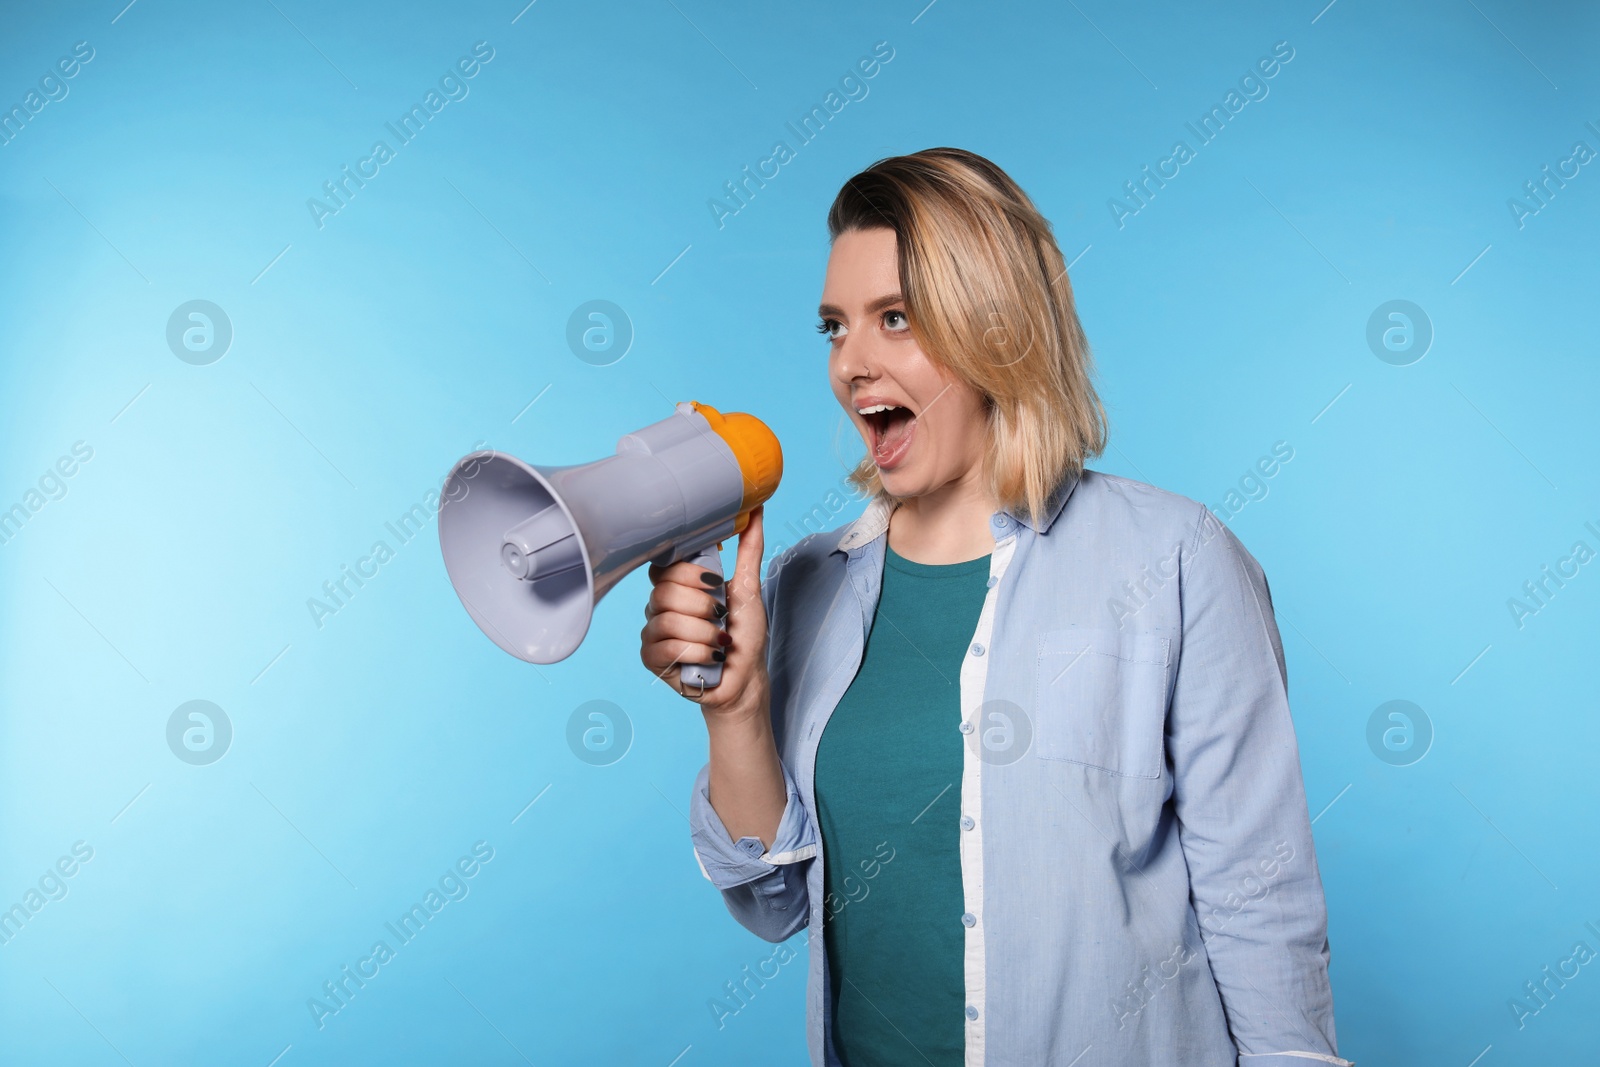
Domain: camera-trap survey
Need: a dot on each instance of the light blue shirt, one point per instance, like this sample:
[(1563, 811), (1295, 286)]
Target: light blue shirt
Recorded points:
[(1139, 882)]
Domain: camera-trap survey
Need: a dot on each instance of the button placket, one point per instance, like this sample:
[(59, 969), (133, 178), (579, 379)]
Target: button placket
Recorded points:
[(974, 672)]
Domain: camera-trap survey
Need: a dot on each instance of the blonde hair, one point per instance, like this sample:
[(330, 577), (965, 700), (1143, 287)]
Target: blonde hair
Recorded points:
[(989, 300)]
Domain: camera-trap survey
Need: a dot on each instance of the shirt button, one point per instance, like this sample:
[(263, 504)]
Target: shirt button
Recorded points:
[(967, 823), (993, 582), (969, 920), (1002, 522), (966, 727), (972, 1013), (977, 649)]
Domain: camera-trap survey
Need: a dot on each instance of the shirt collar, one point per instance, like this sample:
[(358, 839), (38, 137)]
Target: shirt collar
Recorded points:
[(875, 520)]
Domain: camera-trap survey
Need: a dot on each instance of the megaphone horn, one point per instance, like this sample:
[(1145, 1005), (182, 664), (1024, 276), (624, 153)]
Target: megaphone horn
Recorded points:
[(531, 549)]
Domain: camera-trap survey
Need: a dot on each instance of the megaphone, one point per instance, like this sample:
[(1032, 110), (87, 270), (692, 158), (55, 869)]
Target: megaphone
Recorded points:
[(531, 549)]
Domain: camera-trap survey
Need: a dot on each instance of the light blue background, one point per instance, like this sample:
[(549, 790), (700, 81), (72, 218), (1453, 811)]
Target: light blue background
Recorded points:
[(370, 753)]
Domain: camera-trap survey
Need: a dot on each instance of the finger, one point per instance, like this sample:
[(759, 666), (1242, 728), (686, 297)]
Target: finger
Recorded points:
[(752, 542), (672, 625), (669, 596), (745, 588), (685, 574), (663, 656)]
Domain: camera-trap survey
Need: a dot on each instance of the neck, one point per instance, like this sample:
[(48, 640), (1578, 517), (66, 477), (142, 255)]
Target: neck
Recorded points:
[(948, 525)]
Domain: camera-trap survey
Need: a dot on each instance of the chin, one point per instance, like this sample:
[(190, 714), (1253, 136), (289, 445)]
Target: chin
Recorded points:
[(899, 484)]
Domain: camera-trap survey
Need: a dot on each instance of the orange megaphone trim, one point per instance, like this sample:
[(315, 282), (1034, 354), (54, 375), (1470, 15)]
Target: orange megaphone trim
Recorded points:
[(757, 450)]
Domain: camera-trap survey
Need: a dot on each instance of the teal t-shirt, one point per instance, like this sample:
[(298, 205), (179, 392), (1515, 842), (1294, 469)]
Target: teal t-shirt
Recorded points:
[(888, 788)]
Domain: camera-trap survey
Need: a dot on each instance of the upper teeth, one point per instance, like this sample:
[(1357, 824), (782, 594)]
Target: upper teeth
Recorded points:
[(875, 408)]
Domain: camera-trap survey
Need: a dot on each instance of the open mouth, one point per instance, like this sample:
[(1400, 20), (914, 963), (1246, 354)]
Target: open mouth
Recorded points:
[(891, 428)]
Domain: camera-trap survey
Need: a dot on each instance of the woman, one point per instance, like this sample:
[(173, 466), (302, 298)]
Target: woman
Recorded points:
[(1018, 743)]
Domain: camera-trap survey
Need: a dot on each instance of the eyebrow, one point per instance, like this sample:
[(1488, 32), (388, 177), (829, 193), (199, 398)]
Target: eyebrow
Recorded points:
[(879, 304)]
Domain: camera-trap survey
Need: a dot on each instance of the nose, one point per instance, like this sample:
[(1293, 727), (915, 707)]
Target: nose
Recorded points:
[(854, 360)]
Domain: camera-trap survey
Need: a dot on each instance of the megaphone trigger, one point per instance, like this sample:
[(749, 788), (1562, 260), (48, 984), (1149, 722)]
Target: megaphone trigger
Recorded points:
[(708, 675)]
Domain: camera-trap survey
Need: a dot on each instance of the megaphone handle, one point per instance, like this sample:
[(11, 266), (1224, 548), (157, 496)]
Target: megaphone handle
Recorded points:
[(708, 675)]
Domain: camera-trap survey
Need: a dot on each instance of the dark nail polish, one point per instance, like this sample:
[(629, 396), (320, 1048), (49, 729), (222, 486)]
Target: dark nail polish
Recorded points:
[(724, 638), (719, 655), (713, 580), (719, 610)]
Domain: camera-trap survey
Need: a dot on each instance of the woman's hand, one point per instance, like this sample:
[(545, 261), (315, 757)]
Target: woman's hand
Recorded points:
[(680, 628)]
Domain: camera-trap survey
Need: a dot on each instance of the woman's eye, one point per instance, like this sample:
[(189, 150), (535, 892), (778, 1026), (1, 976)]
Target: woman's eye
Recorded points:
[(896, 320), (832, 329)]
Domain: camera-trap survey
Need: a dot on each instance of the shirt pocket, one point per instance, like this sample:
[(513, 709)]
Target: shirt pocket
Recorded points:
[(1100, 699)]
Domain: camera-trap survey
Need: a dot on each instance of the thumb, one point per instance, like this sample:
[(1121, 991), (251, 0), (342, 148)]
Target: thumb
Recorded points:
[(744, 591)]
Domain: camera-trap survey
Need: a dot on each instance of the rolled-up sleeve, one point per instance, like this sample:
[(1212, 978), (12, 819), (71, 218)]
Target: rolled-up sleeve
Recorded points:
[(1242, 814), (764, 888)]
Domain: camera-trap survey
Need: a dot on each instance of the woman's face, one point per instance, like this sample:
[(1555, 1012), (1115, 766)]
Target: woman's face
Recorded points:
[(935, 434)]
